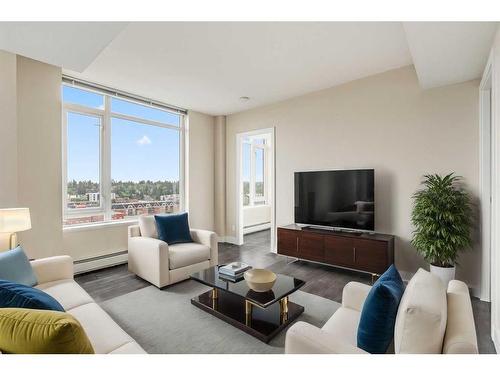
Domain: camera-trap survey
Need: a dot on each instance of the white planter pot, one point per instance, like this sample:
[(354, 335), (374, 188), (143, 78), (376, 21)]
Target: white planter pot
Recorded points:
[(446, 274)]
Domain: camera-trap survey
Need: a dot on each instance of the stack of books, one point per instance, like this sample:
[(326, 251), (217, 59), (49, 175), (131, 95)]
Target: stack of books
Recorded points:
[(233, 271)]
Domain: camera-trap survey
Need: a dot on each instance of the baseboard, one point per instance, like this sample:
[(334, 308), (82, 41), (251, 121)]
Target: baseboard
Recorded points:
[(256, 228), (231, 240), (495, 337), (92, 264)]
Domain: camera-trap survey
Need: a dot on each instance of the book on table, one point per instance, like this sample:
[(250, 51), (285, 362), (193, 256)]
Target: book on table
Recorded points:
[(234, 269)]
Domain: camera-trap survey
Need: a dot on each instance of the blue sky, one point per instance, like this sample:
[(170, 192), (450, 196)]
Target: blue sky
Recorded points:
[(138, 152)]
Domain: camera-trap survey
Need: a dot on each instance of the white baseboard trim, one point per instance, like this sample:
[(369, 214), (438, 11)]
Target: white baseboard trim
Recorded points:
[(256, 228), (495, 337), (92, 264), (231, 240)]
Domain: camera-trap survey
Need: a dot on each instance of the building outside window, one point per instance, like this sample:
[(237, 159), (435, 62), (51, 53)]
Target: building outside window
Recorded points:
[(122, 158)]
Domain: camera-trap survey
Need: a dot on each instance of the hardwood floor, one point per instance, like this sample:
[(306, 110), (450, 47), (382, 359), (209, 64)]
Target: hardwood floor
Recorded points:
[(324, 281)]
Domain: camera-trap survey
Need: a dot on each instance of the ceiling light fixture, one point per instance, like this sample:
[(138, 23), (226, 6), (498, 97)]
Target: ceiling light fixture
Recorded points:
[(244, 98)]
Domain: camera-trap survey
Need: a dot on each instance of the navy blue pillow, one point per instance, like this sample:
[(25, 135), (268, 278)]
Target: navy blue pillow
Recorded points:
[(173, 228), (378, 317), (25, 297)]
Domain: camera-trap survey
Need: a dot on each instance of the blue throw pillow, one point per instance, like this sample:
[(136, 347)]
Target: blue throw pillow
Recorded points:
[(25, 297), (15, 267), (376, 324), (173, 228)]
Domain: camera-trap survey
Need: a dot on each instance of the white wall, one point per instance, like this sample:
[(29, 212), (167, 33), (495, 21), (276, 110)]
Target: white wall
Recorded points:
[(386, 122), (8, 136)]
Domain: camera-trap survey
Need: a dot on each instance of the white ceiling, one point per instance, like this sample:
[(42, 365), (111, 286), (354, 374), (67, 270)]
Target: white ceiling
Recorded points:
[(72, 45), (208, 66)]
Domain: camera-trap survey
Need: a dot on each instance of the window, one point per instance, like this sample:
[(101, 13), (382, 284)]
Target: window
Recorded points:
[(122, 158), (254, 171)]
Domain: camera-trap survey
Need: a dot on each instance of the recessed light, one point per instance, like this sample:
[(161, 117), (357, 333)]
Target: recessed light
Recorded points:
[(244, 98)]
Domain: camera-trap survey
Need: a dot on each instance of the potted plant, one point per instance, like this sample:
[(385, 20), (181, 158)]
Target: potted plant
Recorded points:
[(442, 218)]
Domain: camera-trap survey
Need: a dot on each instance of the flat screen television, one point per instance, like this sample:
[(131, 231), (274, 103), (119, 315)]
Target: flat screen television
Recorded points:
[(339, 199)]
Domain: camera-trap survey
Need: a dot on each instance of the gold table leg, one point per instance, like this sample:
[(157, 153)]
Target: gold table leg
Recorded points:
[(283, 309), (248, 313), (215, 296)]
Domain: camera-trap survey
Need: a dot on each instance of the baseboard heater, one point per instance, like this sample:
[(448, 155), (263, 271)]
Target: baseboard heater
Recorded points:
[(102, 261)]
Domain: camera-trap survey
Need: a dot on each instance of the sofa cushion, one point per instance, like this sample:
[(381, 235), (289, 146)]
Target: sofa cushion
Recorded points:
[(376, 324), (67, 292), (421, 321), (22, 296), (173, 228), (344, 325), (27, 331), (186, 254), (147, 226), (104, 334), (15, 267)]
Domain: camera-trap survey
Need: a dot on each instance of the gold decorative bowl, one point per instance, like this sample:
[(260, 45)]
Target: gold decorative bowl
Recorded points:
[(260, 280)]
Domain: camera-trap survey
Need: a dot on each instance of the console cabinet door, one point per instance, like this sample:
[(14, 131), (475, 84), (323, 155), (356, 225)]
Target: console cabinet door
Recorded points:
[(339, 251), (371, 256), (288, 242), (311, 246)]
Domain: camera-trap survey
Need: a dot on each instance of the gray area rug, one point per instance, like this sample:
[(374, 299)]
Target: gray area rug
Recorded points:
[(165, 321)]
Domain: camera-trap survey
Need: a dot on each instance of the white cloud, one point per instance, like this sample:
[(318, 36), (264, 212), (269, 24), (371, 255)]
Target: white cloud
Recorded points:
[(144, 141)]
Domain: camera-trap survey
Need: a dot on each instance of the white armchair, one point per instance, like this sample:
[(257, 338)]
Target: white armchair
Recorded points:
[(161, 264)]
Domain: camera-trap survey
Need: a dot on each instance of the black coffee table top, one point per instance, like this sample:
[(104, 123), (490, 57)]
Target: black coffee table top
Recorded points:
[(284, 286)]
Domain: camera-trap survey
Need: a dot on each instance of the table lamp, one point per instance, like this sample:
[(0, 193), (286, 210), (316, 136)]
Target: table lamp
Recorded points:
[(14, 220)]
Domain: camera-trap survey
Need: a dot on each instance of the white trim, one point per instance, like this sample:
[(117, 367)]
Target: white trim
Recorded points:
[(99, 225), (256, 228), (271, 198), (99, 263), (485, 180)]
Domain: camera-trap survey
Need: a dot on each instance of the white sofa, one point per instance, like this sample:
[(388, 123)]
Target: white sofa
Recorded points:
[(161, 264), (55, 277), (430, 319)]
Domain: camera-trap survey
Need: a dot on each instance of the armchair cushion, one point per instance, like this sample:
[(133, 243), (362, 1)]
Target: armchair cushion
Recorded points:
[(147, 226), (376, 324), (186, 254), (173, 228)]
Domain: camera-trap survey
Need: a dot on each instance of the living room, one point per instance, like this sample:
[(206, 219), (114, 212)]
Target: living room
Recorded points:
[(260, 187)]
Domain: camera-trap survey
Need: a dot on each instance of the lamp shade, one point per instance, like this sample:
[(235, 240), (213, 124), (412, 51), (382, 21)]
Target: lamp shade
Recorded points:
[(14, 220)]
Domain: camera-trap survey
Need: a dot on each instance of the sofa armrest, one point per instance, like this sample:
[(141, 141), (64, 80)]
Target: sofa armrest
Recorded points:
[(53, 268), (304, 338), (207, 238), (148, 258), (460, 336), (354, 295)]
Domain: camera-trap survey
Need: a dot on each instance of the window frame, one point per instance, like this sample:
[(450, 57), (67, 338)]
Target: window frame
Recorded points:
[(253, 198), (106, 116)]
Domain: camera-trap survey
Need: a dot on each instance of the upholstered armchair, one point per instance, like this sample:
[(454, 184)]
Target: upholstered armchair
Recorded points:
[(161, 264)]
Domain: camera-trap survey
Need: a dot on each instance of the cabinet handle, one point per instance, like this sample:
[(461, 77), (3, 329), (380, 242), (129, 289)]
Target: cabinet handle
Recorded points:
[(297, 245), (354, 254)]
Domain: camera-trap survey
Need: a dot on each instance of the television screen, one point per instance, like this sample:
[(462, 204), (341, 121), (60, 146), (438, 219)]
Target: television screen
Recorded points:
[(342, 198)]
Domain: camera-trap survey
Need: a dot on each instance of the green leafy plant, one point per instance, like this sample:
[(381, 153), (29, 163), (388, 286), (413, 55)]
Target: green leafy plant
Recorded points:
[(442, 216)]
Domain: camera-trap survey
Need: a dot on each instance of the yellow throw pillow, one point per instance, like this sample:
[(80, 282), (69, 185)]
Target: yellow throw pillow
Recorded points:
[(28, 331)]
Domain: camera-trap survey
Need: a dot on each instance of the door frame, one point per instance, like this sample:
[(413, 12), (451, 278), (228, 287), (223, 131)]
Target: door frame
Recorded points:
[(486, 179), (239, 184)]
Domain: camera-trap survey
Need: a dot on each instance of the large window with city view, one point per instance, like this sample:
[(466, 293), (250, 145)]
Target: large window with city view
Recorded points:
[(254, 170), (122, 157)]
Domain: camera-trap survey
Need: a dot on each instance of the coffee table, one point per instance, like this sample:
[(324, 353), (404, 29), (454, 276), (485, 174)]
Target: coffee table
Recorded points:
[(262, 315)]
